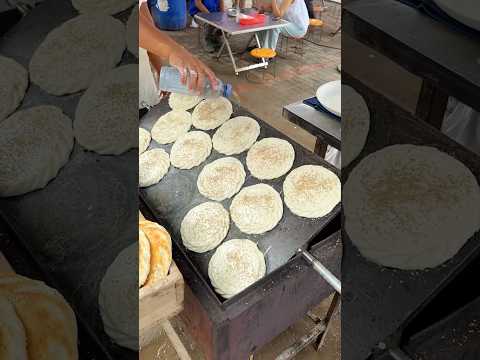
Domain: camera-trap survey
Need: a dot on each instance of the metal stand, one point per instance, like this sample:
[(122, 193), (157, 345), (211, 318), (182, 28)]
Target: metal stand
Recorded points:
[(318, 334), (226, 44)]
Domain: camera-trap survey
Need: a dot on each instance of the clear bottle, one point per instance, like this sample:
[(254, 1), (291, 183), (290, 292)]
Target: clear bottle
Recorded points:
[(169, 81)]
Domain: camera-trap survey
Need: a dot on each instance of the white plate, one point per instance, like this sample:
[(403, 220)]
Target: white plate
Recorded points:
[(465, 11), (330, 96)]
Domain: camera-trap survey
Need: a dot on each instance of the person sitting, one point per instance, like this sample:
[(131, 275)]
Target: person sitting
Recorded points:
[(209, 36), (294, 11)]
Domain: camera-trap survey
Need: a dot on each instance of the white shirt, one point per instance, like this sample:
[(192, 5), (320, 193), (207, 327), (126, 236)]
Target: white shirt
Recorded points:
[(297, 14), (148, 92)]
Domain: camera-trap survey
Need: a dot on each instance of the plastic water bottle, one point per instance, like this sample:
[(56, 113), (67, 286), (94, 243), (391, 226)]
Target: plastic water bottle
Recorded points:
[(170, 81)]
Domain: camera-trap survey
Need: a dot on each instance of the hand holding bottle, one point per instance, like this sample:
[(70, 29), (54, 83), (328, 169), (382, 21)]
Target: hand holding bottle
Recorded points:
[(193, 72)]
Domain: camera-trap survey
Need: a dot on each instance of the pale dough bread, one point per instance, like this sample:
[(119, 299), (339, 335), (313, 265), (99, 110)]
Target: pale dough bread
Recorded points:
[(236, 135), (355, 124), (152, 167), (118, 298), (204, 227), (132, 32), (270, 158), (55, 336), (106, 119), (236, 265), (160, 250), (77, 52), (144, 139), (13, 85), (13, 340), (182, 101), (221, 179), (110, 7), (191, 150), (256, 209), (36, 143), (211, 113), (410, 207), (311, 191), (143, 258), (171, 126)]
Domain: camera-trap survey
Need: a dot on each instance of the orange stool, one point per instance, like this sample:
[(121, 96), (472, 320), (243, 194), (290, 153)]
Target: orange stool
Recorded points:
[(268, 54), (314, 26)]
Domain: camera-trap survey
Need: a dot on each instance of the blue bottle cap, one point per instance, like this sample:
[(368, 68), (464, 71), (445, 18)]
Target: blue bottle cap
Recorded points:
[(227, 90)]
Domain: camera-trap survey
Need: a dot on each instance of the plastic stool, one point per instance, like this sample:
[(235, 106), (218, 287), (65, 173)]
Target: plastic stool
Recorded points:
[(265, 53)]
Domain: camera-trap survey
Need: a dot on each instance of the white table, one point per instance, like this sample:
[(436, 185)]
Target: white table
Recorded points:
[(229, 27)]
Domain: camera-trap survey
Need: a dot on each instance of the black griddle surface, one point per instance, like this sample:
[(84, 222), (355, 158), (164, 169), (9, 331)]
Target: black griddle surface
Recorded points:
[(59, 225), (380, 302), (177, 193)]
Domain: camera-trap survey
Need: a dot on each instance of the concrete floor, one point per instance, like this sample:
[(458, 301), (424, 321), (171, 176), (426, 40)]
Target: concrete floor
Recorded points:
[(298, 77)]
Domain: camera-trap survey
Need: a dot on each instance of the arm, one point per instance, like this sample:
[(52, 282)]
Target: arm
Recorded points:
[(222, 5), (201, 7), (279, 11), (162, 49)]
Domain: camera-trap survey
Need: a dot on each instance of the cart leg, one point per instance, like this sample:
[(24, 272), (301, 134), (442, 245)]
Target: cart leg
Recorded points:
[(327, 320)]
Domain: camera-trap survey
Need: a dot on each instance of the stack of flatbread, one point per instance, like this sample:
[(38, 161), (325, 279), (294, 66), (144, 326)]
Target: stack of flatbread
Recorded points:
[(36, 321), (154, 252)]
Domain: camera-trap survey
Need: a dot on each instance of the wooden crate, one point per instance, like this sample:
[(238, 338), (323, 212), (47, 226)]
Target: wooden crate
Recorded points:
[(158, 303)]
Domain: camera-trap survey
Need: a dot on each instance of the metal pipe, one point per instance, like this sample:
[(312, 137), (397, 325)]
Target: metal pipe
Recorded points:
[(323, 271)]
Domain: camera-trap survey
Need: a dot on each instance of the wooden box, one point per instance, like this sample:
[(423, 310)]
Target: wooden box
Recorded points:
[(158, 303)]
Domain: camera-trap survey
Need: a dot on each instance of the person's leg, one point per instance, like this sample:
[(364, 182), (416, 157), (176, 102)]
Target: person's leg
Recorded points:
[(269, 38), (309, 4), (205, 42)]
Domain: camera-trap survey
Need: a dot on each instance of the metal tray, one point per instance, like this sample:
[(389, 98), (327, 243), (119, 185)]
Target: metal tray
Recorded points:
[(177, 193), (58, 225)]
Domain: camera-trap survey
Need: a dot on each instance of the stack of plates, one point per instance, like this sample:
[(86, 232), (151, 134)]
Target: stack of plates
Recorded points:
[(330, 97)]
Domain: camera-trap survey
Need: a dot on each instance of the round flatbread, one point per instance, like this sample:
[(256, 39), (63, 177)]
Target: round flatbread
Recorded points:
[(221, 179), (256, 209), (182, 101), (311, 191), (144, 139), (118, 298), (204, 227), (211, 113), (171, 126), (152, 167), (236, 135), (132, 32), (270, 158), (191, 150), (110, 7), (410, 207), (77, 52), (13, 85), (355, 124), (143, 258), (36, 143), (236, 265), (106, 119), (48, 320)]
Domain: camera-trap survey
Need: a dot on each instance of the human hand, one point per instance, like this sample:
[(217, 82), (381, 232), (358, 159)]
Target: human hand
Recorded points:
[(193, 72)]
